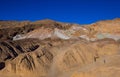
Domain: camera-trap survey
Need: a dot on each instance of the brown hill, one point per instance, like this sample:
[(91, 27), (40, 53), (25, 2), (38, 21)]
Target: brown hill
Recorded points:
[(70, 50)]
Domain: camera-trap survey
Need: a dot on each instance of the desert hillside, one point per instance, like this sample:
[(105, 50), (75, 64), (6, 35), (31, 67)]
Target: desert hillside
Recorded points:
[(48, 48)]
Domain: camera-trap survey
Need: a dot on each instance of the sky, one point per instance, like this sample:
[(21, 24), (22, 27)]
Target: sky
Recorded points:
[(72, 11)]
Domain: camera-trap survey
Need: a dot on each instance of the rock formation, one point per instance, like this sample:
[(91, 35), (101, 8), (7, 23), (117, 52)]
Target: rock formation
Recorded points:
[(48, 48)]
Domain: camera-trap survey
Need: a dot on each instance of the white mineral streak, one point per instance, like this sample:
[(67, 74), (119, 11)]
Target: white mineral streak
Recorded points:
[(60, 34)]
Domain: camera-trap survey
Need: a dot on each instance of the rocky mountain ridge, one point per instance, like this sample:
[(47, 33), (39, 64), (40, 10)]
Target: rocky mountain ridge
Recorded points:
[(48, 48)]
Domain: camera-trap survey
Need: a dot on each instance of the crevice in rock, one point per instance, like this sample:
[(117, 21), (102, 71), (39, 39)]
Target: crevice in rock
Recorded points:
[(19, 48), (8, 57), (2, 65), (10, 48), (32, 48)]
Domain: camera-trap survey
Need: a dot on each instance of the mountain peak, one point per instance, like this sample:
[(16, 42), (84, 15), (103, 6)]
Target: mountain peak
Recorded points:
[(45, 21)]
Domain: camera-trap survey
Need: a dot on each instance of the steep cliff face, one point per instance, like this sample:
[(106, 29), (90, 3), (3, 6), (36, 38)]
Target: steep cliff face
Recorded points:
[(53, 49)]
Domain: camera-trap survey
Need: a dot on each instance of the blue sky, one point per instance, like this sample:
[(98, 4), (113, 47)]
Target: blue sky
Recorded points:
[(73, 11)]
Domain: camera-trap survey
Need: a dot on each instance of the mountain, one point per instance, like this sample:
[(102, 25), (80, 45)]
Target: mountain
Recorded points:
[(48, 48)]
